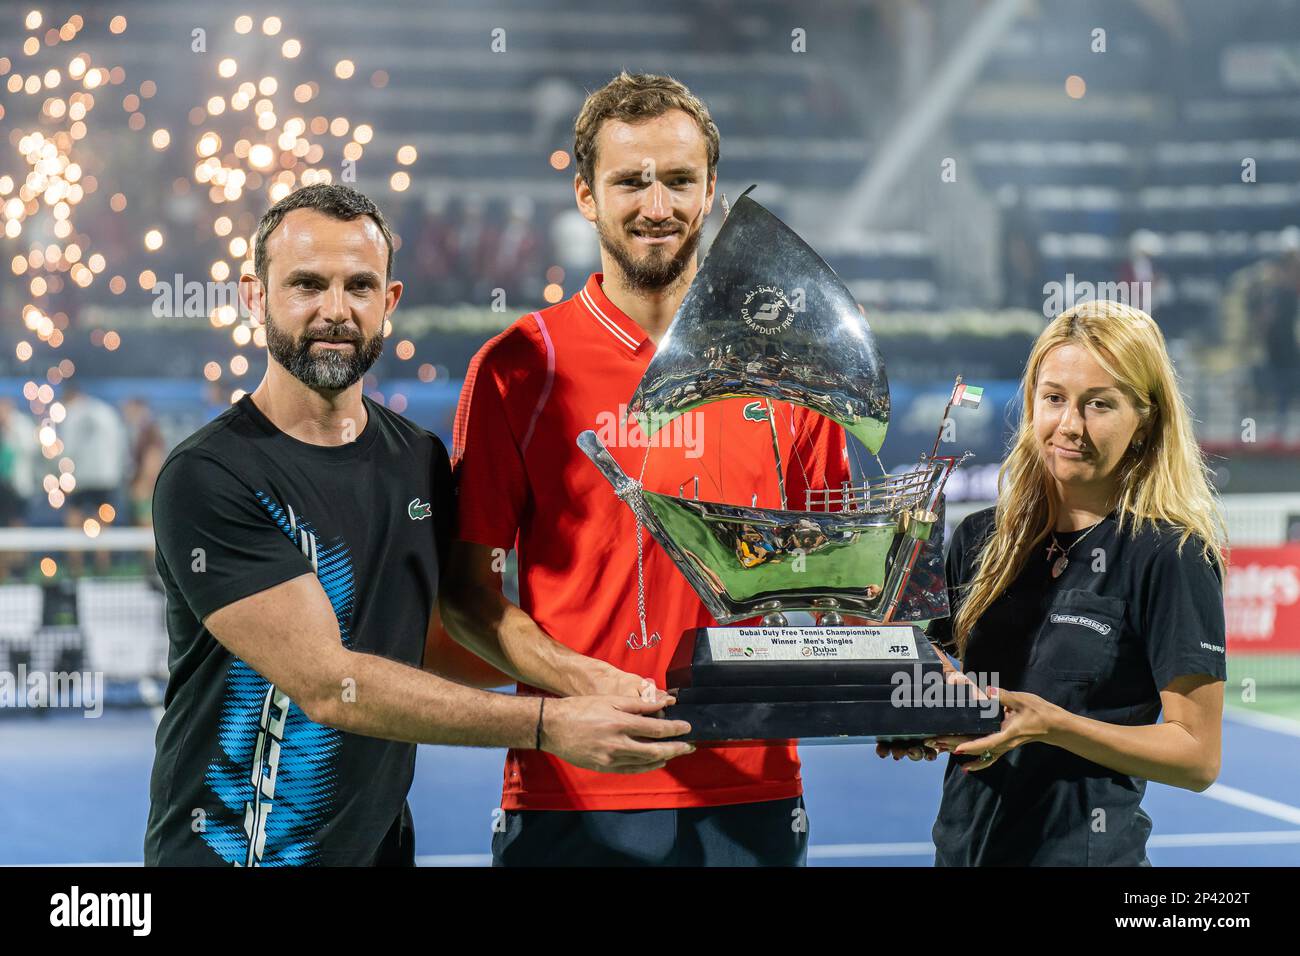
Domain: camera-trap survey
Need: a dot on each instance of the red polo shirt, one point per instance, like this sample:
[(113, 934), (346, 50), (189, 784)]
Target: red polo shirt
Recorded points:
[(524, 484)]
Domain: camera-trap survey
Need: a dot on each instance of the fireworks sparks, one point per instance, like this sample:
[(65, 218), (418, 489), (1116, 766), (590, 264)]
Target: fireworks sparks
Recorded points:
[(261, 128), (39, 198)]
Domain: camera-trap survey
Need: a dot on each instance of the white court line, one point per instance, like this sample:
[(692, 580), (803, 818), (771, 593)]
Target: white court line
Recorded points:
[(1251, 838), (840, 851), (43, 866), (1251, 801), (851, 851), (455, 859), (848, 851), (1281, 725)]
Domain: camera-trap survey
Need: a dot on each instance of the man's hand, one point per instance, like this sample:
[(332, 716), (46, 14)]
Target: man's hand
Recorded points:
[(611, 734), (602, 679), (912, 749)]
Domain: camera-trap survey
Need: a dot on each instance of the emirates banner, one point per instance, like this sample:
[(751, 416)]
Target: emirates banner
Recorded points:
[(1262, 600)]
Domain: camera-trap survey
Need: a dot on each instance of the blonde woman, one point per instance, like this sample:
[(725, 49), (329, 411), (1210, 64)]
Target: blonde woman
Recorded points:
[(1094, 590)]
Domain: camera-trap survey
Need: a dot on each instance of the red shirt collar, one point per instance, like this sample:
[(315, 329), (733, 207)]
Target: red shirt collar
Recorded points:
[(608, 316)]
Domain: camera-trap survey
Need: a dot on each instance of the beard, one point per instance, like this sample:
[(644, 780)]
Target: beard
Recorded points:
[(657, 269), (330, 369)]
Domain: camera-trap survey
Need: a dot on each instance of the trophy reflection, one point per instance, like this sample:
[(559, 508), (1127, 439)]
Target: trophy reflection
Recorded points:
[(766, 318)]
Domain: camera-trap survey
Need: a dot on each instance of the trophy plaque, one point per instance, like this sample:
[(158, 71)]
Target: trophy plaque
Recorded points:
[(767, 318)]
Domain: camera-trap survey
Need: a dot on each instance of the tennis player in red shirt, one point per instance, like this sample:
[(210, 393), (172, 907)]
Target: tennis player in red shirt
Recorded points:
[(646, 151)]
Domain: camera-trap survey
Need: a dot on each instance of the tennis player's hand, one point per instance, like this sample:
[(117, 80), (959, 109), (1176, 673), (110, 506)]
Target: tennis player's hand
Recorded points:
[(602, 679), (612, 734), (911, 749), (951, 675)]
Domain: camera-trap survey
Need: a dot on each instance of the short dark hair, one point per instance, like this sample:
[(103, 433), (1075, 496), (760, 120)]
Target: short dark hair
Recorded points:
[(633, 97), (341, 202)]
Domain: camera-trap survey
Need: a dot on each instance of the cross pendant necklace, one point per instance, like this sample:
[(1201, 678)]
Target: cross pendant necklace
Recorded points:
[(1061, 563)]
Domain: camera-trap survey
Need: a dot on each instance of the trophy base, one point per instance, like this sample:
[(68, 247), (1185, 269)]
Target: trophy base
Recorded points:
[(807, 719), (766, 683)]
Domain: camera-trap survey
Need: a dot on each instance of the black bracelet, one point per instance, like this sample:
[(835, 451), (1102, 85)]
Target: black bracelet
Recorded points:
[(541, 709)]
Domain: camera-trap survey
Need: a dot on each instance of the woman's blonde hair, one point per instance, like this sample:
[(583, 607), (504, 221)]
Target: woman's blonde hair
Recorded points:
[(1164, 478)]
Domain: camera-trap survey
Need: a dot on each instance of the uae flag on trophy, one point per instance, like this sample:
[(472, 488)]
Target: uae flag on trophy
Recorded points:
[(967, 396)]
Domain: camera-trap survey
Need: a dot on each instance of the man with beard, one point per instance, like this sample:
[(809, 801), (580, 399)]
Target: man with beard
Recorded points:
[(300, 538), (646, 152)]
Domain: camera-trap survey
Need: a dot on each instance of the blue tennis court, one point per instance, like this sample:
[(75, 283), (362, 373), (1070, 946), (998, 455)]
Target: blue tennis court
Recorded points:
[(76, 791)]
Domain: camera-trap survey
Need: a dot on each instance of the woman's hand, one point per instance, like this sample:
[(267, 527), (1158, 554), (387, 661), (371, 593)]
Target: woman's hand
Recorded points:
[(1025, 718), (929, 749)]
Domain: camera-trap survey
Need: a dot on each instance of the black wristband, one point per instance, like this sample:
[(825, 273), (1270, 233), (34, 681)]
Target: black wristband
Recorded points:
[(541, 709)]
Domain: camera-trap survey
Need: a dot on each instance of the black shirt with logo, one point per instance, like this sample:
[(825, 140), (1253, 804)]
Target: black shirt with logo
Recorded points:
[(241, 776), (1125, 618)]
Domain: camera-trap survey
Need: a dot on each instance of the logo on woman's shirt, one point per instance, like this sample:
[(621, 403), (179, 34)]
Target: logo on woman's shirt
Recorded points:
[(1080, 619)]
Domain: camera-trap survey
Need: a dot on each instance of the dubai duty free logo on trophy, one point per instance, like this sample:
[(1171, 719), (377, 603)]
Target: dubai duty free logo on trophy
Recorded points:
[(872, 550)]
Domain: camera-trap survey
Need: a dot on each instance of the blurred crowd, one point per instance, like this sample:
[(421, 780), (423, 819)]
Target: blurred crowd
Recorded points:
[(110, 457), (1259, 325), (463, 250), (111, 452), (1252, 330)]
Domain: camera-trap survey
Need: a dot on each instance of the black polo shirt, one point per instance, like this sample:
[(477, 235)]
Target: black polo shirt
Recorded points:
[(1127, 616)]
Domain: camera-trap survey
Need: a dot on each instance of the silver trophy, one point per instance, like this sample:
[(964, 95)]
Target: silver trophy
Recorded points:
[(767, 318)]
